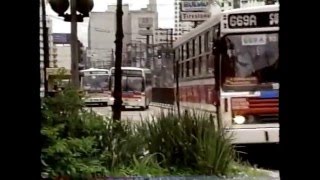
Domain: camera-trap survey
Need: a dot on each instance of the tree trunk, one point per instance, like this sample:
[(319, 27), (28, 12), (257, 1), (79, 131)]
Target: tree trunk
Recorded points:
[(117, 94)]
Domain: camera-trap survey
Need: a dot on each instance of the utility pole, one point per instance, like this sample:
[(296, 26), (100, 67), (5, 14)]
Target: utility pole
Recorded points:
[(112, 58), (171, 37), (74, 45), (140, 53), (117, 94), (177, 72), (147, 50), (46, 55), (153, 54)]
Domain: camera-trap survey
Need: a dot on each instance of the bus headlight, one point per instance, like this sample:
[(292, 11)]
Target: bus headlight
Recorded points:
[(111, 99), (239, 119)]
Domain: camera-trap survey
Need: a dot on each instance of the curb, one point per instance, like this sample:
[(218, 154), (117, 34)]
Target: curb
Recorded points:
[(162, 105), (170, 106)]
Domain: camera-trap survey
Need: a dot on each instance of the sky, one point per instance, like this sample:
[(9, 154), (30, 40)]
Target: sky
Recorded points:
[(165, 14)]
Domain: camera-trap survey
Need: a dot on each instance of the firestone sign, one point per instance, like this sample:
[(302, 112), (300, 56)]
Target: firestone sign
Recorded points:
[(194, 16)]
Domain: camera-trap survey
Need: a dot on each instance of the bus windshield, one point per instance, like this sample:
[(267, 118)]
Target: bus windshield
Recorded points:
[(95, 83), (250, 62), (130, 83)]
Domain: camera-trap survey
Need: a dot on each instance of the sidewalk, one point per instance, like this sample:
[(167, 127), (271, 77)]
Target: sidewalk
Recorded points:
[(183, 107)]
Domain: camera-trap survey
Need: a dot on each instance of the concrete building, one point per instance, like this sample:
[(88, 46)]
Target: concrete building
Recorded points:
[(234, 4), (52, 48), (64, 56), (101, 36), (180, 27), (102, 29)]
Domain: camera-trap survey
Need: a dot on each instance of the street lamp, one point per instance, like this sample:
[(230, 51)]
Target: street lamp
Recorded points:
[(83, 7)]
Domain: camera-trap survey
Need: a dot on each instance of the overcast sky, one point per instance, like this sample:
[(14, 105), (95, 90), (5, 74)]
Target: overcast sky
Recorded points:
[(165, 12)]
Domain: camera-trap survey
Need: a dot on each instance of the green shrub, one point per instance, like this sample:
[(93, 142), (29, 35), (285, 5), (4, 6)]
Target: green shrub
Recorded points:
[(191, 141), (78, 143), (73, 142)]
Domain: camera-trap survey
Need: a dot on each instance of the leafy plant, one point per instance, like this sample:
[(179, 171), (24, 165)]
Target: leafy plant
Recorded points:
[(191, 141), (73, 142)]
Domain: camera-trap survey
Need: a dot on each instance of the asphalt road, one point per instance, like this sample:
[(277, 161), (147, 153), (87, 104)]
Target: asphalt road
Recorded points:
[(129, 113)]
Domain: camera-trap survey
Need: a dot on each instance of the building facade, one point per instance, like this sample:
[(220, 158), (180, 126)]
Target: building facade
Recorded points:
[(102, 29), (52, 48)]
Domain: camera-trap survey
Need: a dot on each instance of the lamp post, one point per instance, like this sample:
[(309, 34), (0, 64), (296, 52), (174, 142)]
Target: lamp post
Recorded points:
[(83, 7)]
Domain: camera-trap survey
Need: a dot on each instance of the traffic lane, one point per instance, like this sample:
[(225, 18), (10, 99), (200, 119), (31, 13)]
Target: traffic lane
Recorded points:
[(130, 114)]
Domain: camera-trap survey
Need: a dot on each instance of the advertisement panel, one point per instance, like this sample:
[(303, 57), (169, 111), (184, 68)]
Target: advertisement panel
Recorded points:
[(61, 38), (145, 22), (188, 6)]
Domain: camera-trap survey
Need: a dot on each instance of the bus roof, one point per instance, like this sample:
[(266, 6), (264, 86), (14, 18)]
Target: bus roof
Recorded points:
[(252, 9), (133, 68), (94, 69), (212, 21)]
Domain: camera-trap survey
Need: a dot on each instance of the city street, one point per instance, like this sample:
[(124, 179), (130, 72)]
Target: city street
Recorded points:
[(129, 113)]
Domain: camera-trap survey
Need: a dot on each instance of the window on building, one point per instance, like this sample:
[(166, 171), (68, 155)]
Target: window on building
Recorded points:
[(236, 4), (206, 41), (182, 70), (187, 50), (182, 52), (193, 47), (188, 68), (193, 67), (200, 65), (200, 44), (230, 4)]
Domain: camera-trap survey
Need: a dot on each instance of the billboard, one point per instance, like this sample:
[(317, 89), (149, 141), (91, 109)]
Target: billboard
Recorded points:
[(144, 32), (61, 38), (194, 16), (188, 6), (145, 22)]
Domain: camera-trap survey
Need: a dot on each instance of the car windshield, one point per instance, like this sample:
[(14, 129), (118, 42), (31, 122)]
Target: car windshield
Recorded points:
[(251, 62)]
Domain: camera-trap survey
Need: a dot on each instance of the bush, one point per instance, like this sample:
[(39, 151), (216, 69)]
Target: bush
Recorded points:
[(81, 143), (72, 137), (78, 143), (191, 141)]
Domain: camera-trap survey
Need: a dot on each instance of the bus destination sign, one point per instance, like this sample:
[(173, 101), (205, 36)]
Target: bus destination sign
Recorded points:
[(254, 20)]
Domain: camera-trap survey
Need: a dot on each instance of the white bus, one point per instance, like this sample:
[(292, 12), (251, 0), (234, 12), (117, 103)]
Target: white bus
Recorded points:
[(94, 83), (232, 60), (136, 86)]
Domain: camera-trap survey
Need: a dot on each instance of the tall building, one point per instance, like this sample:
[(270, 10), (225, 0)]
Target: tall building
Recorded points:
[(52, 48), (101, 36), (180, 27), (64, 56), (234, 4), (102, 29)]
